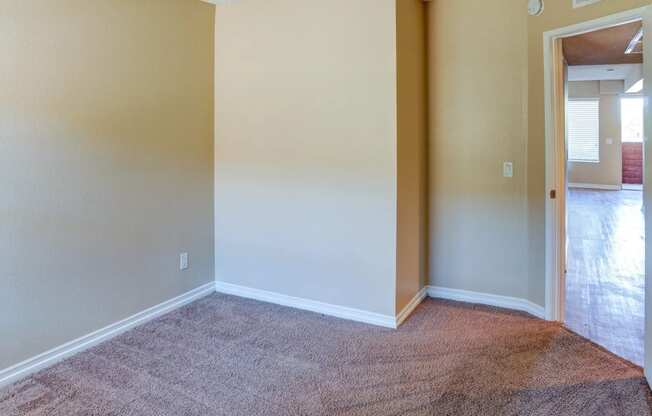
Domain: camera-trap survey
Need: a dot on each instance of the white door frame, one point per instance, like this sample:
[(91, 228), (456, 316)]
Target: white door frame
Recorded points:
[(555, 180)]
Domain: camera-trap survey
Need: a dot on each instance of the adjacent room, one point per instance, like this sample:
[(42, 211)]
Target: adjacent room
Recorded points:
[(320, 208), (605, 264)]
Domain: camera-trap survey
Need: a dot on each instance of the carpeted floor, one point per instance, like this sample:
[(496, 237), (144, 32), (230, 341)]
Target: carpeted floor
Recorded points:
[(228, 356)]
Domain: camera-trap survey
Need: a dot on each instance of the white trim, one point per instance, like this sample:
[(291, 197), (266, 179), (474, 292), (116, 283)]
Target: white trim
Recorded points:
[(55, 355), (506, 302), (594, 186), (553, 270), (604, 22), (337, 311), (632, 187), (46, 359), (219, 2), (647, 179), (584, 99), (410, 307), (582, 3)]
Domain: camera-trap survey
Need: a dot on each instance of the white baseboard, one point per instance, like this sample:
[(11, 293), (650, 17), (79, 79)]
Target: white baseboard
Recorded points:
[(337, 311), (487, 299), (595, 186), (46, 359), (41, 361), (410, 307), (632, 187)]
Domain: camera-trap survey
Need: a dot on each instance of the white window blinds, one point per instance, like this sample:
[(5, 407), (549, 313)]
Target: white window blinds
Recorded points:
[(584, 130)]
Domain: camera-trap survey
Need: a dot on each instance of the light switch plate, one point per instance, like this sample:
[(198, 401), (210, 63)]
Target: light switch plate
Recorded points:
[(610, 141), (183, 261), (508, 169)]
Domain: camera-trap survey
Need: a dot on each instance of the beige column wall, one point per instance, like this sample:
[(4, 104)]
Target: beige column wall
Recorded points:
[(305, 154), (412, 230)]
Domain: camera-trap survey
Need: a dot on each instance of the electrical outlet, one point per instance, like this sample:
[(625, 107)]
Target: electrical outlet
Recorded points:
[(183, 261), (508, 169)]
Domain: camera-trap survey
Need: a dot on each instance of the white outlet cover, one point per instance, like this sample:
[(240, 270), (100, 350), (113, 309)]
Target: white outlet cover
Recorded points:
[(610, 141), (508, 169), (183, 261)]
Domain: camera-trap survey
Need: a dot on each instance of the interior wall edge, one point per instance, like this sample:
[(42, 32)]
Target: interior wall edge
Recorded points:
[(411, 137), (405, 313)]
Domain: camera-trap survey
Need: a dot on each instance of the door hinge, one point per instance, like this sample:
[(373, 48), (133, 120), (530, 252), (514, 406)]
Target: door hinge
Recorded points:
[(553, 194)]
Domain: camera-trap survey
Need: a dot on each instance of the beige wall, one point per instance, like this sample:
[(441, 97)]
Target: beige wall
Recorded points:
[(305, 155), (106, 118), (412, 136), (478, 81), (487, 106), (609, 170)]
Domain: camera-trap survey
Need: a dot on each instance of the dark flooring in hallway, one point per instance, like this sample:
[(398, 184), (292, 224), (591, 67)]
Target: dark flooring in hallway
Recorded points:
[(605, 269)]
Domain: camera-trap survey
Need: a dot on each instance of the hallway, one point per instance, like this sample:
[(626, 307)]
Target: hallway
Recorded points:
[(605, 269)]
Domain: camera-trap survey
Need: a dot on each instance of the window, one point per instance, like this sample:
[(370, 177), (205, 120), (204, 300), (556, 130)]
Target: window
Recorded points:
[(631, 110), (584, 130)]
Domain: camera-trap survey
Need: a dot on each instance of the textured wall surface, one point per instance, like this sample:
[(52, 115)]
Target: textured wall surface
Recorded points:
[(305, 149), (106, 163)]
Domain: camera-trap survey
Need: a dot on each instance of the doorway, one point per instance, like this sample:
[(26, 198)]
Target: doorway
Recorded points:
[(595, 231), (631, 110)]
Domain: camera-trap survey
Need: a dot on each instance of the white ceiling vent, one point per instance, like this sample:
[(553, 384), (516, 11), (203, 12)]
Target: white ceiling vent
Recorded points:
[(582, 3)]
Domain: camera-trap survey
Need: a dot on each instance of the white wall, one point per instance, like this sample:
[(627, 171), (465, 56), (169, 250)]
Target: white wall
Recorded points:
[(609, 170)]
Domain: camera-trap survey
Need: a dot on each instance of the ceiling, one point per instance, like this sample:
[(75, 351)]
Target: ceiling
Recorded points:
[(602, 72), (603, 47)]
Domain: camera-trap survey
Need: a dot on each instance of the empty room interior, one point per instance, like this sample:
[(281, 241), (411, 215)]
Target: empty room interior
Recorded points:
[(325, 207), (605, 272)]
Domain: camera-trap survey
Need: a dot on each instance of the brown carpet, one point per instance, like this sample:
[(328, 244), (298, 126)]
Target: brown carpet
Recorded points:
[(228, 356)]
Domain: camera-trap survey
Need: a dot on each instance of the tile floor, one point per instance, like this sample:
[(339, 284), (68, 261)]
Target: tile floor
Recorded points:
[(605, 269)]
